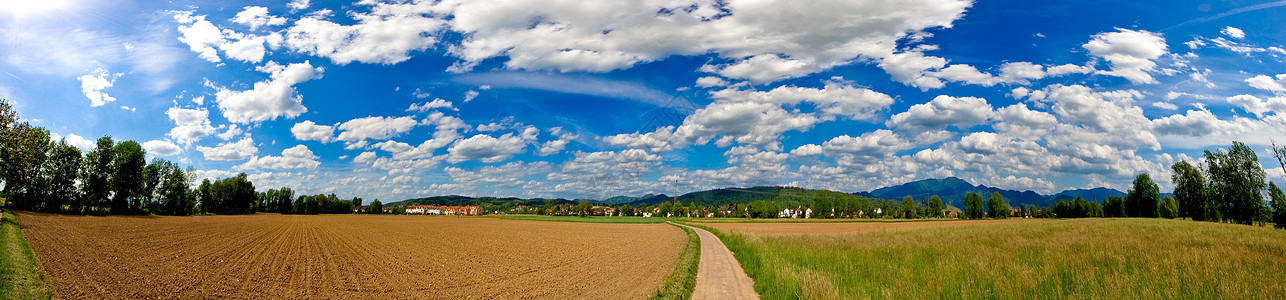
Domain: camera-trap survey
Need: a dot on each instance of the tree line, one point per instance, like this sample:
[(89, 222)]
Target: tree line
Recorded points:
[(40, 174)]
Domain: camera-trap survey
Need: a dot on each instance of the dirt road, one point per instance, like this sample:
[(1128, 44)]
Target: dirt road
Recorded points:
[(719, 276)]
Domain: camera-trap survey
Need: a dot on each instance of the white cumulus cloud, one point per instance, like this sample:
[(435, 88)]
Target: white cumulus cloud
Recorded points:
[(309, 131), (94, 84), (1129, 52), (268, 99), (238, 150)]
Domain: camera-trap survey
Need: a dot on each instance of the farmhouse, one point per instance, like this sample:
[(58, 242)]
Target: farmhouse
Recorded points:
[(469, 210)]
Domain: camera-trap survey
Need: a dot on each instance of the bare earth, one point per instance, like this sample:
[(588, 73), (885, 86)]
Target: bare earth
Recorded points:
[(349, 257), (719, 275), (847, 228)]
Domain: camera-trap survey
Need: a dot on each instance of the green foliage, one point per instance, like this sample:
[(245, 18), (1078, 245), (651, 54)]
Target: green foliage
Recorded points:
[(61, 171), (1114, 207), (375, 208), (908, 208), (997, 208), (128, 162), (935, 207), (96, 177), (278, 200), (973, 206), (1235, 182), (229, 196), (23, 149), (323, 204), (583, 208), (1190, 191), (1279, 205), (1141, 201), (1169, 208), (1078, 208)]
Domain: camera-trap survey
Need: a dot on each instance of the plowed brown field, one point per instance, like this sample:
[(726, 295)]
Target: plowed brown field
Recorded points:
[(845, 228), (349, 257)]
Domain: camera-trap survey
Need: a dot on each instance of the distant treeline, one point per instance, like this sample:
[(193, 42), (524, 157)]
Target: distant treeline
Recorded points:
[(114, 178)]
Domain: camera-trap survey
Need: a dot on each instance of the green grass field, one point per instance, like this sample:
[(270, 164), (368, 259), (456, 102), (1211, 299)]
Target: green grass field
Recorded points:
[(20, 275), (1076, 259)]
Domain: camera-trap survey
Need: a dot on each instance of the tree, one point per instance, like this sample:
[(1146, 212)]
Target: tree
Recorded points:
[(61, 170), (935, 207), (1169, 208), (973, 206), (97, 175), (172, 191), (1279, 205), (583, 208), (1236, 182), (127, 183), (151, 183), (23, 149), (1141, 201), (205, 196), (375, 208), (996, 206), (1114, 207), (908, 208), (1190, 191)]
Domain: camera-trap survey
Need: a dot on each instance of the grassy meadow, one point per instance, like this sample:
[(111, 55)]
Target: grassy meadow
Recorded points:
[(1077, 259), (20, 275)]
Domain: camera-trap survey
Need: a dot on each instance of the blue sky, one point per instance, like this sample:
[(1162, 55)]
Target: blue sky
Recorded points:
[(576, 99)]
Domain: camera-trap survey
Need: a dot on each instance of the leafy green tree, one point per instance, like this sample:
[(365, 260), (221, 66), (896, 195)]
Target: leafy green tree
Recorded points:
[(61, 170), (935, 207), (97, 177), (1114, 207), (997, 208), (172, 191), (1141, 201), (149, 193), (1190, 191), (127, 183), (974, 207), (375, 208), (583, 208), (1279, 205), (1236, 181), (23, 150), (908, 208), (1169, 208), (205, 196)]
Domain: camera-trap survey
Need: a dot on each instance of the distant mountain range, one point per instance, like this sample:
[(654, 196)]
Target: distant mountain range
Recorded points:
[(952, 190)]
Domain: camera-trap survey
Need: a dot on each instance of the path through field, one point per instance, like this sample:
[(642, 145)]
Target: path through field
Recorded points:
[(349, 257), (719, 276)]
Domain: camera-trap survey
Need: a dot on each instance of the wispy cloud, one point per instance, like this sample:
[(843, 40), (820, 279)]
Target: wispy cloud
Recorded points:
[(570, 84)]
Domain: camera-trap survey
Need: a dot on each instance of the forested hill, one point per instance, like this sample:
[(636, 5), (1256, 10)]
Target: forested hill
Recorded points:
[(787, 196), (952, 190)]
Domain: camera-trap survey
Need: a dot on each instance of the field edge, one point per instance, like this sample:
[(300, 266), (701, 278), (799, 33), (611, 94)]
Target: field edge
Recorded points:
[(20, 273), (683, 280)]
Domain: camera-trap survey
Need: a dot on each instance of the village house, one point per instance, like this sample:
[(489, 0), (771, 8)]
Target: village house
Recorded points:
[(470, 210)]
